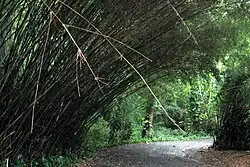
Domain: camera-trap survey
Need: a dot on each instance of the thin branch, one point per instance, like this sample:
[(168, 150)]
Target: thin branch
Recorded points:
[(156, 98), (39, 75), (99, 32), (79, 51), (128, 62), (186, 39), (106, 36), (77, 80), (184, 23), (7, 162)]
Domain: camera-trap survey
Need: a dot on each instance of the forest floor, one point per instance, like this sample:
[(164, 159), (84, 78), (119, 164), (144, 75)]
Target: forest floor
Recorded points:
[(224, 158), (168, 154)]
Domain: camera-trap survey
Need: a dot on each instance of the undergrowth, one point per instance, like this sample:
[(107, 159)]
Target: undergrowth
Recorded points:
[(69, 160), (99, 137), (165, 134)]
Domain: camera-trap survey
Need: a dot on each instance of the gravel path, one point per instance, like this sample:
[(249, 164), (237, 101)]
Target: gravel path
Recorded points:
[(158, 154)]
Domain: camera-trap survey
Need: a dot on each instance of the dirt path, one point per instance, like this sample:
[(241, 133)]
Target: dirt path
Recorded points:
[(158, 154)]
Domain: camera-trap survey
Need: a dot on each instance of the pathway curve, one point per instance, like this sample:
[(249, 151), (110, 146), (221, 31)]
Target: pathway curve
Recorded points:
[(157, 154)]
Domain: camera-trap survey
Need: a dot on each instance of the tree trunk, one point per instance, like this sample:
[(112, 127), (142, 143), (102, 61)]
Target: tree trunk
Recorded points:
[(146, 132)]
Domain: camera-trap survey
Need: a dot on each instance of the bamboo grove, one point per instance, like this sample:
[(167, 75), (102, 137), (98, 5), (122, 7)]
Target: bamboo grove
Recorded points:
[(63, 62)]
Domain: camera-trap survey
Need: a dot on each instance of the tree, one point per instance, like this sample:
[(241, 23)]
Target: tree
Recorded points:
[(233, 132), (234, 66), (148, 122)]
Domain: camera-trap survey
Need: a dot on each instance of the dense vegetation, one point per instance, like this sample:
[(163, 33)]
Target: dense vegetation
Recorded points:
[(79, 75)]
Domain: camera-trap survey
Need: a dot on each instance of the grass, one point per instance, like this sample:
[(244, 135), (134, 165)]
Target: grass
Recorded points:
[(164, 134)]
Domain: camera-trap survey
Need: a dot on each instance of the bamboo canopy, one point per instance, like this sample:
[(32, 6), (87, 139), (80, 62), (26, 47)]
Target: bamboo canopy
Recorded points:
[(62, 62)]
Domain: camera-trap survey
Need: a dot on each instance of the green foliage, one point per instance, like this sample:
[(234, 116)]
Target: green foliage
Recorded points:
[(166, 134), (191, 102), (97, 137), (120, 131), (50, 161), (175, 96), (119, 123), (233, 132), (234, 67), (202, 115)]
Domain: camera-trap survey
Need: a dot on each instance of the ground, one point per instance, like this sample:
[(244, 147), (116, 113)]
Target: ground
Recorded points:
[(168, 154), (224, 158)]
